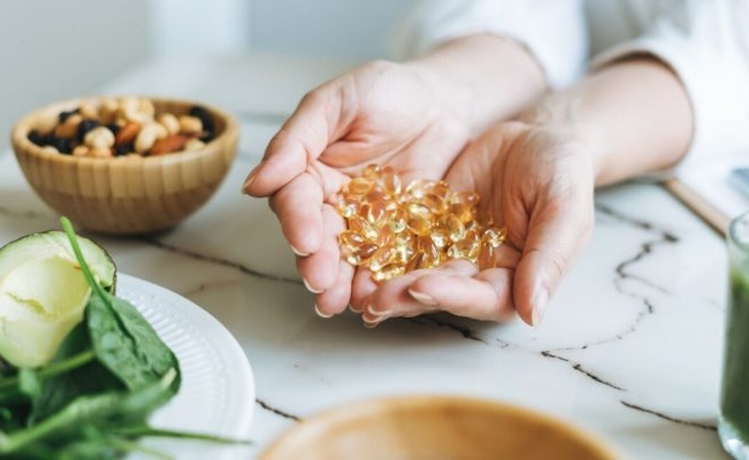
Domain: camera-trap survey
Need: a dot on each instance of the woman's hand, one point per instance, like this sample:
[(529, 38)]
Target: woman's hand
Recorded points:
[(537, 182), (382, 113)]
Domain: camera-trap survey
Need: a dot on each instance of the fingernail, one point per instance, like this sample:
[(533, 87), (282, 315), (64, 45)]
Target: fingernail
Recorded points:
[(250, 178), (353, 309), (369, 325), (321, 314), (380, 315), (310, 288), (426, 299), (539, 303), (298, 252)]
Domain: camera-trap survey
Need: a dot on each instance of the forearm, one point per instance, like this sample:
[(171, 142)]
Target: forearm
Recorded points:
[(632, 116), (482, 78)]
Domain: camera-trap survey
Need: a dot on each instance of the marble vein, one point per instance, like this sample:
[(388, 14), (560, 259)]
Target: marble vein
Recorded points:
[(579, 368), (276, 411), (219, 261), (467, 333), (208, 286), (663, 416), (664, 237)]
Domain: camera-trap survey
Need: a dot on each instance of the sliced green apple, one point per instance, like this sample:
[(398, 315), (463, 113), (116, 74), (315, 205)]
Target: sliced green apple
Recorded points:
[(43, 294)]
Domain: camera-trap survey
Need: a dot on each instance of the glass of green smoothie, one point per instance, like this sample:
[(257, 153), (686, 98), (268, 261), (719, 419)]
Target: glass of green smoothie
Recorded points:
[(733, 419)]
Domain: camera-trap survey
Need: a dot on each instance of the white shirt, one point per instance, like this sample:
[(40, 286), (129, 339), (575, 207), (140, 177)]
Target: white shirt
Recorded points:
[(705, 42)]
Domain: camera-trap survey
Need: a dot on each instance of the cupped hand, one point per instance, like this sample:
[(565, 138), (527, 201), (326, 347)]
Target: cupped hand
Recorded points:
[(382, 113), (538, 182)]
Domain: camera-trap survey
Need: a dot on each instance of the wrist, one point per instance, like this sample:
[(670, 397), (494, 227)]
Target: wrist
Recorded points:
[(634, 117), (482, 78)]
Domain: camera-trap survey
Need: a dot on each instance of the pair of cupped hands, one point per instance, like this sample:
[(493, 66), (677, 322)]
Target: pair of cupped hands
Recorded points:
[(533, 179)]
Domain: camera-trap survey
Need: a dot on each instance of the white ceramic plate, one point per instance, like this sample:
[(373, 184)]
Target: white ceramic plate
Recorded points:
[(217, 395)]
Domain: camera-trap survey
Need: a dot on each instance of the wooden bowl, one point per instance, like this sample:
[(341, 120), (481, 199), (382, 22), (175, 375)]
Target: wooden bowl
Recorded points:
[(432, 427), (127, 195)]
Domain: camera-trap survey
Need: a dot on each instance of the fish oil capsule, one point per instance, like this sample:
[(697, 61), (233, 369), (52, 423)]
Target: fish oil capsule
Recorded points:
[(469, 245), (398, 220), (440, 235), (442, 190), (373, 211), (435, 204), (371, 172), (418, 188), (359, 186), (467, 248), (374, 195), (360, 254), (416, 262), (419, 226), (456, 231), (386, 235), (462, 211), (351, 239), (474, 226), (381, 257), (404, 248), (388, 272), (431, 253), (416, 209), (456, 251), (494, 236), (347, 206), (387, 169), (391, 183), (360, 225)]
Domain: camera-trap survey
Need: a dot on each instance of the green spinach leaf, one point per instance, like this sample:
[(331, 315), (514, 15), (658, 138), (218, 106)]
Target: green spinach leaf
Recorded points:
[(123, 340)]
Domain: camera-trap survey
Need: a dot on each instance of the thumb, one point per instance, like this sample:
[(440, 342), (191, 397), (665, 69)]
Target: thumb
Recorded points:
[(556, 235)]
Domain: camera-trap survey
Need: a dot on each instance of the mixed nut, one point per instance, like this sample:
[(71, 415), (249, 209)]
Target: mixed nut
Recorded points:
[(114, 127)]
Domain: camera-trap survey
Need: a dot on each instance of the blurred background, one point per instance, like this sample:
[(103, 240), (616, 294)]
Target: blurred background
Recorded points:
[(54, 49)]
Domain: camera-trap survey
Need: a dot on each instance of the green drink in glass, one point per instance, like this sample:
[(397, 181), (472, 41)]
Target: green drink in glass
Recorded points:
[(733, 420)]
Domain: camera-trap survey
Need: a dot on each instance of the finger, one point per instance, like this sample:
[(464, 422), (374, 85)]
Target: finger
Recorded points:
[(362, 288), (319, 270), (335, 299), (298, 206), (300, 141), (487, 296), (393, 298), (555, 237)]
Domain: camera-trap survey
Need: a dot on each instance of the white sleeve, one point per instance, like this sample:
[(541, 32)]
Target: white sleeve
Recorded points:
[(706, 43), (554, 31)]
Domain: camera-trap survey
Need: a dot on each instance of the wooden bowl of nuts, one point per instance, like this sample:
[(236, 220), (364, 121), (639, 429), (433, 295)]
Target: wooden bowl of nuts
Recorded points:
[(125, 165)]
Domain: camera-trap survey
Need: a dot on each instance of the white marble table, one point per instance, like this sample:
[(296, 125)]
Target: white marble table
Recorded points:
[(631, 346)]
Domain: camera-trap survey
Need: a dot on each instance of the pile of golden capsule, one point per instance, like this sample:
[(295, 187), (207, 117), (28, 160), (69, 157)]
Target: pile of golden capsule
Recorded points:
[(392, 229)]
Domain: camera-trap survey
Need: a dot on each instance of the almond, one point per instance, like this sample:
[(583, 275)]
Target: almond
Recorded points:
[(127, 133), (169, 144)]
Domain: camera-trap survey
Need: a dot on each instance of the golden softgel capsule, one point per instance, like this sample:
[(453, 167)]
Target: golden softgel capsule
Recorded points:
[(393, 228)]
